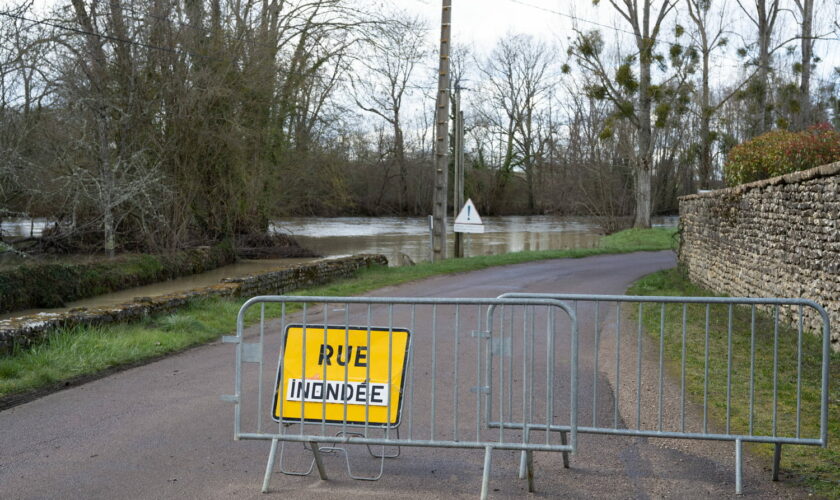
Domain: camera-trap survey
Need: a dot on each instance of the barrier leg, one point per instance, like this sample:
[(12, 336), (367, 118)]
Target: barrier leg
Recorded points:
[(777, 458), (485, 479), (522, 456), (564, 442), (269, 467), (738, 468), (318, 461), (530, 471)]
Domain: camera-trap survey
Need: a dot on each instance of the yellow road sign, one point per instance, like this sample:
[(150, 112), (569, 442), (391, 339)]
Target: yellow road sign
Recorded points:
[(335, 375)]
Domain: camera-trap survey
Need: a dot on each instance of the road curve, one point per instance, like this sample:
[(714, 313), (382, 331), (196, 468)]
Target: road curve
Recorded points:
[(161, 431)]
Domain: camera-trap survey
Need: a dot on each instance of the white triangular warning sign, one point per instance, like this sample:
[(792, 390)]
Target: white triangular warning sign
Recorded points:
[(468, 214)]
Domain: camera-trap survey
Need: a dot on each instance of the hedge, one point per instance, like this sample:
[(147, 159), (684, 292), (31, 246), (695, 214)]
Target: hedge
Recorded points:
[(781, 152)]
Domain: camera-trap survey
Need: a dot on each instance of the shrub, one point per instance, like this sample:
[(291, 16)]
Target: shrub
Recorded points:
[(780, 152)]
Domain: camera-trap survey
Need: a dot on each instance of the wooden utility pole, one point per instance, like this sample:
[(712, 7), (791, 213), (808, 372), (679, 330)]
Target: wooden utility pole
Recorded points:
[(458, 192), (442, 138)]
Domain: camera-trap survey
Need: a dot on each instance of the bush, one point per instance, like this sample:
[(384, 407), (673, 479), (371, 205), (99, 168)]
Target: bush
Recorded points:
[(780, 152)]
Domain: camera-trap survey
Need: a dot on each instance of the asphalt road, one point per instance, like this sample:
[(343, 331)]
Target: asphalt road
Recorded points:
[(161, 431)]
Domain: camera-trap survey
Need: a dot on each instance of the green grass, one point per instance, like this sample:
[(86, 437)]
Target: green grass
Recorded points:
[(817, 468), (81, 351)]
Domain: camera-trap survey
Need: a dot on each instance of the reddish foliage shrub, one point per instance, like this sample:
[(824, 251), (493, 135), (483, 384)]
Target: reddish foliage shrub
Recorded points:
[(780, 152)]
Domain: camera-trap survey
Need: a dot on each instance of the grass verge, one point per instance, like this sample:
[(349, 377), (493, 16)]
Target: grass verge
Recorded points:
[(84, 351), (816, 468)]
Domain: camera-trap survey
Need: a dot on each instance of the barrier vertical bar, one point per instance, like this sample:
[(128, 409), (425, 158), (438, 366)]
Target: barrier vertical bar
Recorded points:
[(260, 381), (682, 370), (752, 368), (367, 374), (597, 357), (478, 378), (455, 381), (411, 377), (525, 362), (574, 391), (303, 372), (434, 369), (729, 369), (739, 467), (775, 366), (531, 335), (799, 373), (706, 376), (281, 429), (549, 382), (661, 363), (501, 374), (510, 364), (826, 356), (639, 369), (346, 365), (617, 363), (324, 377), (390, 373)]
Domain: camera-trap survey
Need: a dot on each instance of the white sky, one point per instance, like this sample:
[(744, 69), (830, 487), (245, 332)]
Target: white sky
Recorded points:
[(480, 23)]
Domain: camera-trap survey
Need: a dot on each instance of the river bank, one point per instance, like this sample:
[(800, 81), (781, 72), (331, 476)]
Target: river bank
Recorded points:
[(49, 281)]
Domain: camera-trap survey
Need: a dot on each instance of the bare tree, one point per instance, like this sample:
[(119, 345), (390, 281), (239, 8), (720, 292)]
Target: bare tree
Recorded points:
[(710, 36), (396, 49), (516, 77)]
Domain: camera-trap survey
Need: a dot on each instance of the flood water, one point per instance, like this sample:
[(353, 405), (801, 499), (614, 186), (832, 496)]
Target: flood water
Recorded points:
[(343, 236), (410, 235)]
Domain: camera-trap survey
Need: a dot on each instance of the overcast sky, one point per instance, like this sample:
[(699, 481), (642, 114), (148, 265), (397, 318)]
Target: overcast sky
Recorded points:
[(480, 23)]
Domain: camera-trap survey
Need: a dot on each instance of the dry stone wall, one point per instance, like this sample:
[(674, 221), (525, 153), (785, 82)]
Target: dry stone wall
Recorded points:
[(778, 237), (25, 330)]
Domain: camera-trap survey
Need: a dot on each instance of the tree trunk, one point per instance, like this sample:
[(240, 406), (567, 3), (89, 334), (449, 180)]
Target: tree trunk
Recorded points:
[(705, 127), (645, 160), (803, 117), (399, 156), (765, 31)]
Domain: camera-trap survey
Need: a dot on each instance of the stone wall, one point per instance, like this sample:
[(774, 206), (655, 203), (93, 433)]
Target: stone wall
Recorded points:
[(25, 330), (778, 237)]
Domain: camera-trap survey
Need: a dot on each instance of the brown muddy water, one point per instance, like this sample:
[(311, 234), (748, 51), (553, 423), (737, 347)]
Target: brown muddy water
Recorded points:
[(393, 236), (343, 236)]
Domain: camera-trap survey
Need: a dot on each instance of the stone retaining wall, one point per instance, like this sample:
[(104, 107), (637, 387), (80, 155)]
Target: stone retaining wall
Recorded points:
[(39, 285), (26, 330), (778, 237)]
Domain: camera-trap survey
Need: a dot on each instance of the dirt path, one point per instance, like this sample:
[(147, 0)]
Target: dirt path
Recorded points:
[(161, 431)]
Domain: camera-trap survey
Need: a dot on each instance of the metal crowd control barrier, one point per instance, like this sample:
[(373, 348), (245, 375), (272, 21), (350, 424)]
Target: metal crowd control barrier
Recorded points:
[(606, 338), (394, 372)]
